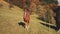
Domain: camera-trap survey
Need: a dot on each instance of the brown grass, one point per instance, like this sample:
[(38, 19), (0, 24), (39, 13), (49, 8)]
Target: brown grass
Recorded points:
[(9, 22)]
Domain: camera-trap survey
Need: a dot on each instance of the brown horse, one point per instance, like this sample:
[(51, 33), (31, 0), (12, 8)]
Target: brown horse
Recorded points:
[(26, 18)]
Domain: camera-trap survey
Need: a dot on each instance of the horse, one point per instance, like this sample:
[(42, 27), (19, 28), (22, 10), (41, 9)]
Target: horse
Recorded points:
[(56, 9), (26, 18)]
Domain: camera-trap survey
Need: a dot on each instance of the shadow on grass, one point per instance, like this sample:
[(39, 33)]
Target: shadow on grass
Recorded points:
[(21, 24), (53, 27), (1, 5), (43, 19)]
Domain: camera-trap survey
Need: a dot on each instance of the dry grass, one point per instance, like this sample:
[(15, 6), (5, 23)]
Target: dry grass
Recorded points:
[(9, 23)]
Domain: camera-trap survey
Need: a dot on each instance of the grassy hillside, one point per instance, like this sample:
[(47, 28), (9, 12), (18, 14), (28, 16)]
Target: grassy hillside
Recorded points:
[(9, 22)]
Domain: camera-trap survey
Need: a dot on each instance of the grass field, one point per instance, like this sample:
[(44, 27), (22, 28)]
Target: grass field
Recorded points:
[(9, 20)]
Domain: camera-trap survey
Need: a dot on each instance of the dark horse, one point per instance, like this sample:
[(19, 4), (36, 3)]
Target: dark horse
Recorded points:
[(57, 18)]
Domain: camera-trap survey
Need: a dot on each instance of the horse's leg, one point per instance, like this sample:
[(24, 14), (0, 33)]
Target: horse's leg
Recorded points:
[(27, 25)]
